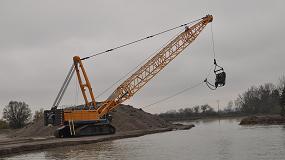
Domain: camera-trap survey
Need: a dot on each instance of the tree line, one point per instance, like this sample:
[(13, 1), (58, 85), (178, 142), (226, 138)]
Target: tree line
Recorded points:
[(263, 99)]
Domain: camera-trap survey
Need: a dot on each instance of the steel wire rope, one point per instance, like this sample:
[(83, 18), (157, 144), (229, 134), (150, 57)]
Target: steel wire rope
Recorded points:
[(140, 64), (141, 39), (177, 93), (213, 42), (211, 86), (171, 96)]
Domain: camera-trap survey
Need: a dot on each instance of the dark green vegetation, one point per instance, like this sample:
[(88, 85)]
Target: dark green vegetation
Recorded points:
[(17, 114), (3, 124), (197, 112), (282, 102), (263, 120), (264, 99)]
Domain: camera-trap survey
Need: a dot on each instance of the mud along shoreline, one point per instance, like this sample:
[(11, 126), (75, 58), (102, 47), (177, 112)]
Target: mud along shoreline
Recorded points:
[(10, 147)]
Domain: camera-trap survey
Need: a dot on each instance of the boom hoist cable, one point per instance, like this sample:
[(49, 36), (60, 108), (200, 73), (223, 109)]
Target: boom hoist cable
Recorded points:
[(142, 39), (93, 117), (219, 72), (132, 70), (203, 22)]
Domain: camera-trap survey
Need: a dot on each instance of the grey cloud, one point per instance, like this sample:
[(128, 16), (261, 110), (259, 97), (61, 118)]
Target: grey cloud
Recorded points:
[(38, 40)]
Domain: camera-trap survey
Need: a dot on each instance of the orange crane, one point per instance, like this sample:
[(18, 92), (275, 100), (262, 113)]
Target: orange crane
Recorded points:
[(93, 118)]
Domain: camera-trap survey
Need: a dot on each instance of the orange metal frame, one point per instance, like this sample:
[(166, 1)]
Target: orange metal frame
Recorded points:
[(79, 66), (136, 81)]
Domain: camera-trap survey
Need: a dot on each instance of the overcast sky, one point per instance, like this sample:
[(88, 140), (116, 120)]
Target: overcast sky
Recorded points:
[(39, 38)]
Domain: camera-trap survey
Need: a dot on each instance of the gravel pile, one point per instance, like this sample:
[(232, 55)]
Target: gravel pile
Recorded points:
[(125, 118)]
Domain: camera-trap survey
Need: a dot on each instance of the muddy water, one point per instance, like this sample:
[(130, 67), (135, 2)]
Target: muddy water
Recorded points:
[(212, 139)]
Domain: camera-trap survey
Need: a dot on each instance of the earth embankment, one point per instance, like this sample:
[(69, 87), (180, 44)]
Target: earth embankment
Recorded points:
[(128, 121), (125, 118), (263, 120)]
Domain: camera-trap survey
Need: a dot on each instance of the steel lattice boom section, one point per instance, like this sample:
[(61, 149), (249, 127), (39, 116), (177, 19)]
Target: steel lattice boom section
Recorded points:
[(134, 83)]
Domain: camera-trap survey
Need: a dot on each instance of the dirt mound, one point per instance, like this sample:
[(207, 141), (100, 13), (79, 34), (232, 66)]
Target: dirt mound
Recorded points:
[(35, 129), (265, 120), (125, 118)]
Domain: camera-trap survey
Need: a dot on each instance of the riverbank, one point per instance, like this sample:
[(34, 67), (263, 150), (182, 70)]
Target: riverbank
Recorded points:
[(128, 121), (125, 118), (193, 118), (15, 146), (220, 139), (263, 120)]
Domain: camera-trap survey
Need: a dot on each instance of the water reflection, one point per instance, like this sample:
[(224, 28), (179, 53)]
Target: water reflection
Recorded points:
[(210, 139), (99, 150)]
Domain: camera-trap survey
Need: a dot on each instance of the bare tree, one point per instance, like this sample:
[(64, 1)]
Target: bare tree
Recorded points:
[(282, 102), (281, 84), (39, 114), (17, 114), (229, 107), (204, 108), (196, 109)]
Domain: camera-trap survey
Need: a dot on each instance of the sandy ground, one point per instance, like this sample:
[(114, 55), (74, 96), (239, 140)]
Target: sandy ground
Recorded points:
[(4, 137), (125, 118), (128, 121), (14, 146)]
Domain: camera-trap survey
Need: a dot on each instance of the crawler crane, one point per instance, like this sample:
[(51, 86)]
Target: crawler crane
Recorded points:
[(93, 118)]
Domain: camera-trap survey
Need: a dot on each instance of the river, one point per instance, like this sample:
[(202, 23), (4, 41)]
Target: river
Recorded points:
[(209, 140)]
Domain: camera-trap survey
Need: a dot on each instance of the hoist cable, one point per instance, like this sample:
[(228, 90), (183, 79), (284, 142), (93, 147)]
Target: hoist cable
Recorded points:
[(213, 42), (136, 41), (209, 72), (180, 92), (210, 86), (132, 70), (176, 94)]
